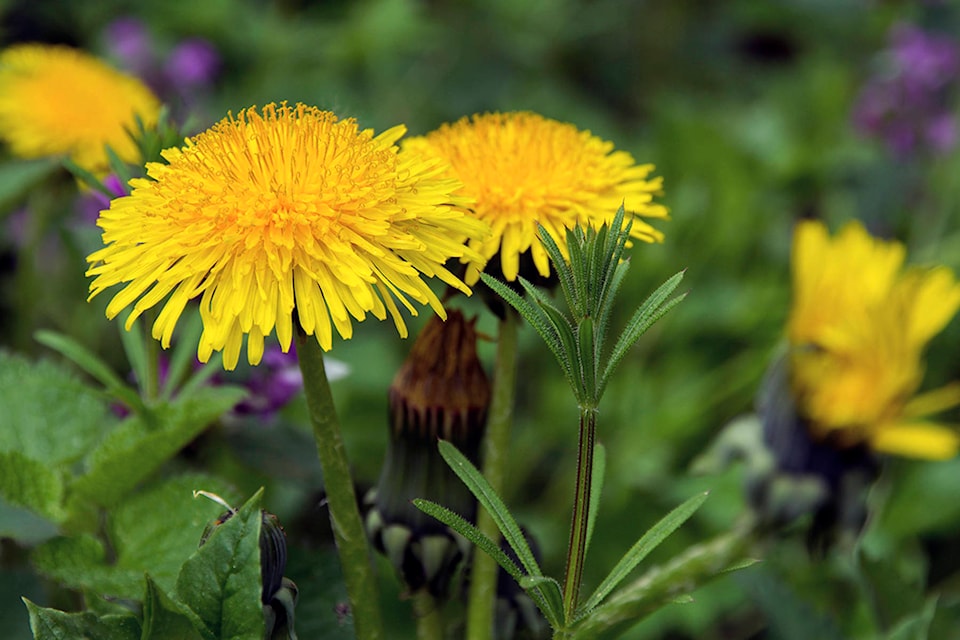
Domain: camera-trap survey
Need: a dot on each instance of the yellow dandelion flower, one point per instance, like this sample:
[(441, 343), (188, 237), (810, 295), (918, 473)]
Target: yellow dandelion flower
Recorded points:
[(291, 210), (858, 328), (56, 100), (525, 169)]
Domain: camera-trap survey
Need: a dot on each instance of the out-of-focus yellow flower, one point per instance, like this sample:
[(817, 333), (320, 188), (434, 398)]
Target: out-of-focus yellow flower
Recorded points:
[(857, 331), (288, 211), (525, 169), (55, 100)]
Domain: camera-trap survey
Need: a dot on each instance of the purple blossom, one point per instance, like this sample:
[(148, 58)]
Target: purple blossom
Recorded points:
[(194, 62), (909, 104), (272, 384)]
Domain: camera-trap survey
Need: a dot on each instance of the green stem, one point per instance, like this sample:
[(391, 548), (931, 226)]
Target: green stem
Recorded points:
[(483, 573), (577, 549), (151, 386), (429, 616), (352, 547), (659, 586)]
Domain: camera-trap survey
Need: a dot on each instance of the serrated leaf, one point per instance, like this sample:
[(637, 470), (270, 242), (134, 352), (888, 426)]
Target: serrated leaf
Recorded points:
[(32, 484), (552, 612), (80, 562), (221, 582), (166, 619), (642, 547), (560, 266), (132, 452), (494, 505), (52, 624), (48, 414)]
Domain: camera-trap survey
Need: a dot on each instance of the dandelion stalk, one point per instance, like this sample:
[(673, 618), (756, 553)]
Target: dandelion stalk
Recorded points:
[(348, 532), (483, 574)]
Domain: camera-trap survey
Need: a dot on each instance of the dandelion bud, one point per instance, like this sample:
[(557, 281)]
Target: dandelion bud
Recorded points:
[(441, 391)]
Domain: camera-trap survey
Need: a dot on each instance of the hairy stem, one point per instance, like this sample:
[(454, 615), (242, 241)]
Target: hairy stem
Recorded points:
[(577, 548)]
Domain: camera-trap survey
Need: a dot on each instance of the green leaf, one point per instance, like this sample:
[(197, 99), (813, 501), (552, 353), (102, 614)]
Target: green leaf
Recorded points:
[(647, 543), (917, 625), (89, 362), (166, 619), (32, 484), (183, 356), (551, 592), (560, 266), (485, 494), (552, 611), (136, 350), (133, 451), (48, 414), (81, 563), (586, 348), (578, 269), (534, 316), (221, 584), (652, 309), (51, 624), (86, 177), (596, 488), (562, 328)]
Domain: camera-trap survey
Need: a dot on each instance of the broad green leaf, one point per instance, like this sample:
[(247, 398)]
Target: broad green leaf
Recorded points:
[(89, 362), (17, 177), (485, 494), (48, 414), (154, 531), (133, 451), (552, 611), (221, 584), (647, 543), (166, 619), (32, 484), (596, 488), (80, 562), (52, 624)]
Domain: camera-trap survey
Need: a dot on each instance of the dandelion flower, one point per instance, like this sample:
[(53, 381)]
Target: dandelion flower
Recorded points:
[(288, 211), (56, 100), (525, 169), (858, 328)]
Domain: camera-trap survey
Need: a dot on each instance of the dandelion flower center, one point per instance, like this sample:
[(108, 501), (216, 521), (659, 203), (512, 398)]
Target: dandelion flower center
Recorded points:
[(288, 209)]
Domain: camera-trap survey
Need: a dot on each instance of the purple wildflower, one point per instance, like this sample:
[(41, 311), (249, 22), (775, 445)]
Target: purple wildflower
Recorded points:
[(908, 106), (193, 63)]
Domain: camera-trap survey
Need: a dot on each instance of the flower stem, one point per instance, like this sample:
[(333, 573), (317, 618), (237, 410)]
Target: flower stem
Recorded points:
[(429, 616), (483, 574), (355, 558), (691, 570), (577, 549)]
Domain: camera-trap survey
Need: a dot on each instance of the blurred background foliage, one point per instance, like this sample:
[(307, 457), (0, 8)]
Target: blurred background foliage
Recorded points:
[(747, 110)]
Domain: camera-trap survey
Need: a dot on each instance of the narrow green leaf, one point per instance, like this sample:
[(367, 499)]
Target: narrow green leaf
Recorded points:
[(183, 356), (596, 488), (551, 592), (602, 323), (89, 362), (560, 265), (652, 309), (588, 359), (120, 168), (221, 582), (488, 546), (136, 350), (493, 504), (534, 316), (562, 328), (647, 543), (52, 624), (165, 618), (575, 241), (86, 177)]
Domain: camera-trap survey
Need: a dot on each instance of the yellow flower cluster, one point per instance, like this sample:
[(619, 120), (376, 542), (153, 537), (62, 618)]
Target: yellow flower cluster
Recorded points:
[(857, 331), (55, 100), (288, 210), (523, 169)]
